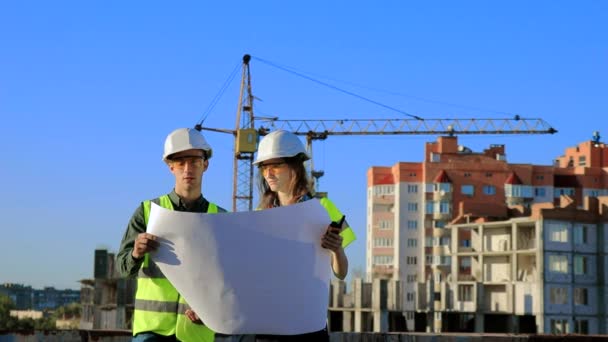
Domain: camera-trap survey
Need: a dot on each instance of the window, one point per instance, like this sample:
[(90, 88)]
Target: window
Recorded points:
[(412, 225), (412, 189), (558, 264), (559, 326), (465, 265), (558, 232), (444, 241), (428, 207), (465, 293), (385, 224), (489, 190), (444, 207), (540, 177), (383, 259), (540, 192), (581, 326), (489, 174), (558, 295), (563, 191), (412, 207), (439, 260), (412, 242), (435, 157), (467, 174), (411, 278), (580, 235), (411, 260), (384, 190), (468, 190), (410, 296), (582, 160), (525, 191), (445, 187), (580, 265), (580, 296), (383, 242), (465, 243), (439, 224)]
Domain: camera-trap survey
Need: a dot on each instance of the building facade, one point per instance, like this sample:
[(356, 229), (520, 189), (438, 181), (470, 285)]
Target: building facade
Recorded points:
[(49, 298), (412, 211)]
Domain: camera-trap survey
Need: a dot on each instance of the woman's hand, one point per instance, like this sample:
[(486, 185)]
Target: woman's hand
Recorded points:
[(332, 239)]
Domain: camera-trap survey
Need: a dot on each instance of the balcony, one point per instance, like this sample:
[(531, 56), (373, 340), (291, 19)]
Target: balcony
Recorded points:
[(442, 195)]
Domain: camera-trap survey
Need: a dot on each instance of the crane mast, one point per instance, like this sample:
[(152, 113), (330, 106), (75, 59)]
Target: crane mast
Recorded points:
[(246, 134), (242, 190)]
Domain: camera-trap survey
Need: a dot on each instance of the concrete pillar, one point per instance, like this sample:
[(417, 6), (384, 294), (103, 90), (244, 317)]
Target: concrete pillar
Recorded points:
[(514, 323), (358, 304), (379, 310), (479, 322), (479, 307), (347, 321)]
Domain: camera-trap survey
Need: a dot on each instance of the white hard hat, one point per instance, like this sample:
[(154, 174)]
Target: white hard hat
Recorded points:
[(183, 139), (280, 144)]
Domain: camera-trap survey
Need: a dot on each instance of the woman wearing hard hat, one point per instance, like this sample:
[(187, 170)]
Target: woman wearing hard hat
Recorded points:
[(283, 181)]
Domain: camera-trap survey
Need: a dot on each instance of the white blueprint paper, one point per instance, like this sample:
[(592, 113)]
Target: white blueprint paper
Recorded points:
[(248, 272)]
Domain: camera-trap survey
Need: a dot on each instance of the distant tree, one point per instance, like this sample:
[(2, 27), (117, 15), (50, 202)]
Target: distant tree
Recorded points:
[(25, 324), (45, 323), (72, 310), (6, 305)]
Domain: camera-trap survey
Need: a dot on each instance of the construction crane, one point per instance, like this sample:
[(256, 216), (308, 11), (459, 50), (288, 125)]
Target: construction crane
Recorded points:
[(246, 134)]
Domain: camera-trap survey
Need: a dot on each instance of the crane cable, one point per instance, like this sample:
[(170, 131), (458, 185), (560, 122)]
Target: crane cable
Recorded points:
[(336, 88), (220, 93)]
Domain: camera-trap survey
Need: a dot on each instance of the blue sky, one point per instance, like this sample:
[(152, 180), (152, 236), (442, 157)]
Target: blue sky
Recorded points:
[(89, 90)]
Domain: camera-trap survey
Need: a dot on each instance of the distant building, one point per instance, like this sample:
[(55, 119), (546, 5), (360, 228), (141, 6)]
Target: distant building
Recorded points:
[(21, 295), (463, 234), (49, 298), (107, 299), (22, 314)]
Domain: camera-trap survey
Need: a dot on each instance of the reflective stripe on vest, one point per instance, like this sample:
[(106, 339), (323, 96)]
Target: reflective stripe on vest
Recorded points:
[(156, 300), (348, 235)]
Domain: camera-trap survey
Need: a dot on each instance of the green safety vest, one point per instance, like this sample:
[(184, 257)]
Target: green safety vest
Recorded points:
[(348, 235), (159, 308)]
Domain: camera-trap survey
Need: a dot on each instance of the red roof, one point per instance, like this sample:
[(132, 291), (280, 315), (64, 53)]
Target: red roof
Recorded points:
[(442, 177), (513, 179), (386, 179)]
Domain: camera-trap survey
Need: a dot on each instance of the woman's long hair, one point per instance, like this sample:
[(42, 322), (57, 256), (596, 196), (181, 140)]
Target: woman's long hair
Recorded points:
[(299, 184)]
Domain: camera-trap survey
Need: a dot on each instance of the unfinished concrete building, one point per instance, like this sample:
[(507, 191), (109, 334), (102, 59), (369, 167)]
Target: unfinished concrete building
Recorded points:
[(107, 299)]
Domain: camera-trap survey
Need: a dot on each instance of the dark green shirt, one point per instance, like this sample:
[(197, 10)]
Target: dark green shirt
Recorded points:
[(128, 266)]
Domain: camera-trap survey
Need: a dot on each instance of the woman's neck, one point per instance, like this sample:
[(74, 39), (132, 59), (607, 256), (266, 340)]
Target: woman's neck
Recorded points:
[(285, 198)]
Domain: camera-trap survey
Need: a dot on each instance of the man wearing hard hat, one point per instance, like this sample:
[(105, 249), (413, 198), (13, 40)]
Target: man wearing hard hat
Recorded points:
[(161, 314)]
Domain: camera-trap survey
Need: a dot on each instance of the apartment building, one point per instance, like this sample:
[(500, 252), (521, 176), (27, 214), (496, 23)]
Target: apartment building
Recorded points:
[(413, 207)]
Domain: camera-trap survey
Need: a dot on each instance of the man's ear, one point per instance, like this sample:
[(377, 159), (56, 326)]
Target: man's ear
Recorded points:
[(205, 165)]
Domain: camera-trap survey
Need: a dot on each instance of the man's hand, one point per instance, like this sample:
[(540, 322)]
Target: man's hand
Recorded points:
[(193, 317), (144, 243)]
